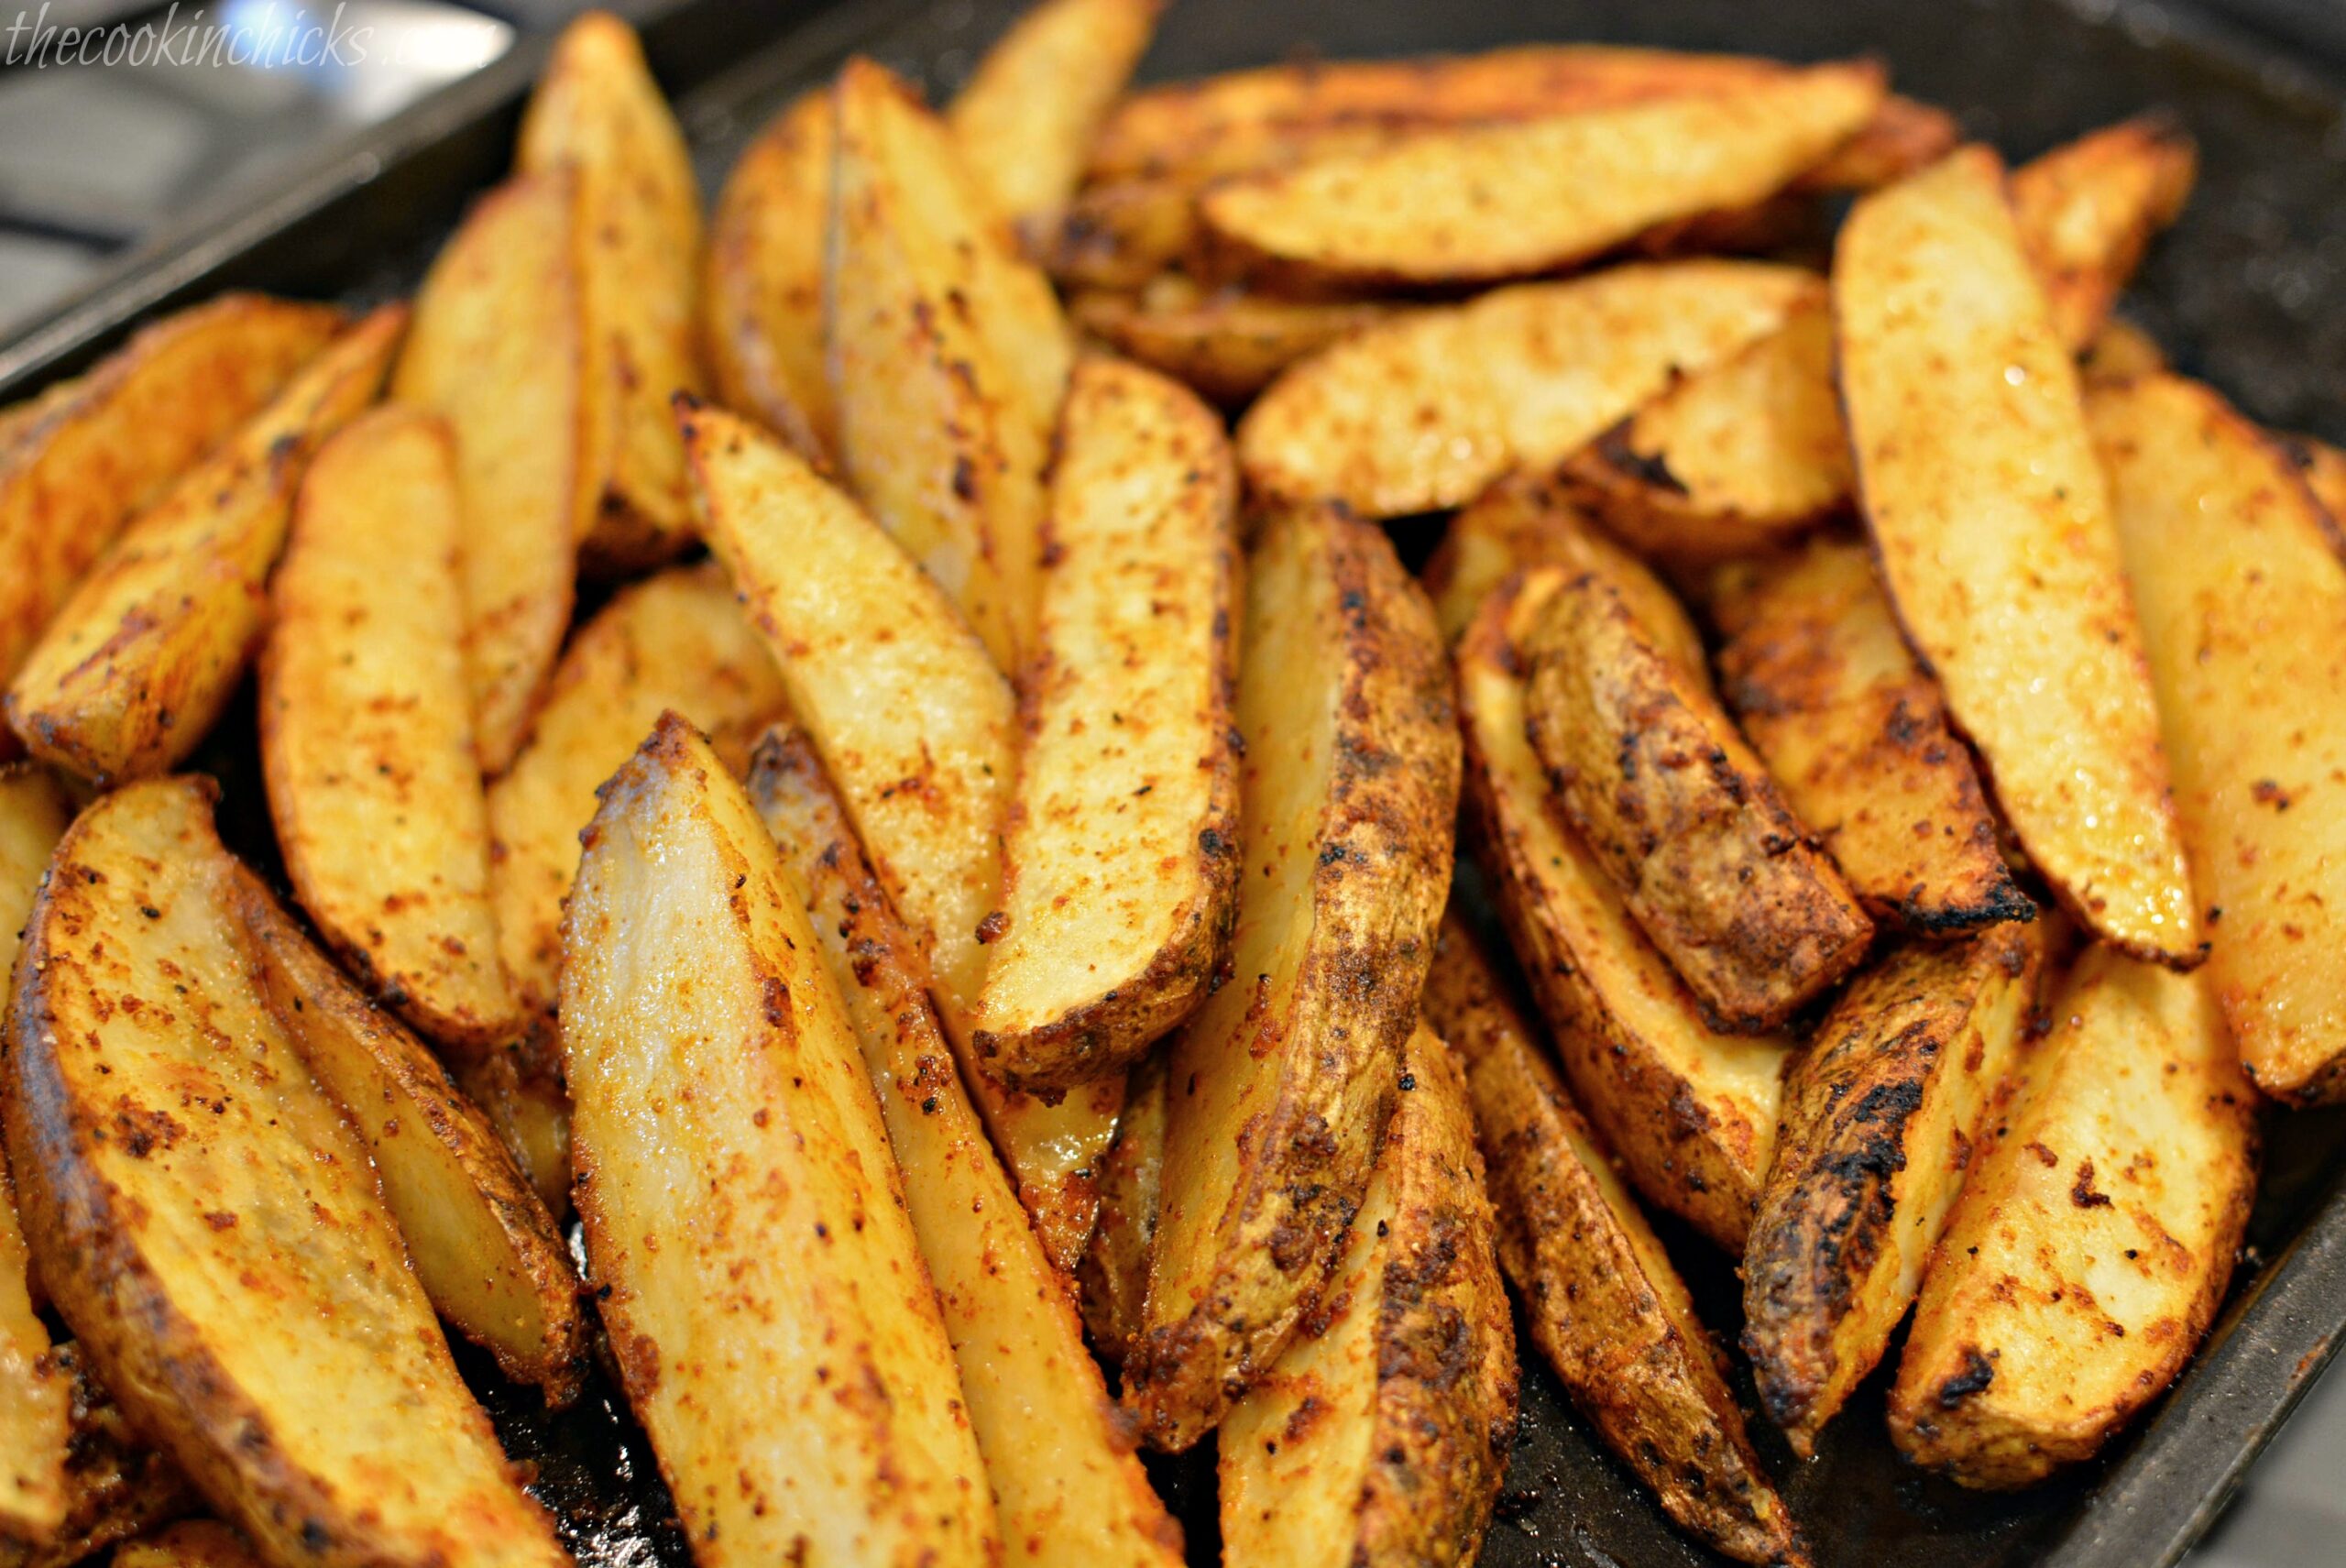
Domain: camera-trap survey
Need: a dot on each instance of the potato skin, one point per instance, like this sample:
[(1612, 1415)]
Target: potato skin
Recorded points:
[(1111, 1280)]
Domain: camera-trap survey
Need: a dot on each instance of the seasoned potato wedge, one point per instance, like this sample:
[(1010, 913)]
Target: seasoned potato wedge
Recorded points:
[(1067, 1488), (530, 1115), (1665, 793), (1282, 1083), (774, 1327), (139, 663), (1424, 411), (761, 300), (1990, 521), (675, 640), (1227, 344), (212, 1229), (1112, 1280), (366, 739), (191, 1543), (1881, 1113), (130, 428), (918, 730), (2087, 210), (1856, 734), (2119, 351), (1691, 1111), (2093, 1238), (2243, 610), (1604, 1305), (1491, 202), (598, 113), (1123, 234), (117, 1485), (1120, 854), (497, 349), (1380, 1439)]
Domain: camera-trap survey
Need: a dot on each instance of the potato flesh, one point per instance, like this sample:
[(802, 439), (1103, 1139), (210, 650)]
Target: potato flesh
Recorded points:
[(1026, 117), (2093, 1239), (2243, 608), (1991, 524), (367, 736), (1227, 346), (775, 1329), (213, 1230), (762, 299)]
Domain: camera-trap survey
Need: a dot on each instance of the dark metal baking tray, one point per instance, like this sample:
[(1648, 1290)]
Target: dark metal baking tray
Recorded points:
[(2249, 292)]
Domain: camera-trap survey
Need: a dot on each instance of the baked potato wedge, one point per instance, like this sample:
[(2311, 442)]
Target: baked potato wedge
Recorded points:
[(1689, 1109), (761, 300), (1379, 1438), (530, 1115), (918, 730), (1068, 1489), (110, 448), (1119, 853), (1990, 522), (2243, 609), (2094, 1236), (1881, 1115), (497, 349), (141, 660), (2087, 209), (1111, 1282), (1226, 344), (1283, 1081), (1424, 411), (1662, 790), (1856, 734), (1604, 1305), (775, 1328), (1125, 233), (212, 1229), (367, 739), (117, 1485)]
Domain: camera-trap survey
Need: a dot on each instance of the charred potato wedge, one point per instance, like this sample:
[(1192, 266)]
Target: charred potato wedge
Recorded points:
[(2087, 212), (1381, 1438), (1112, 1280), (1283, 1082), (762, 299), (1227, 344)]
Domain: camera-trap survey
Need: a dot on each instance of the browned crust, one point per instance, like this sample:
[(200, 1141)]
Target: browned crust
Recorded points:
[(116, 1486), (1112, 1279)]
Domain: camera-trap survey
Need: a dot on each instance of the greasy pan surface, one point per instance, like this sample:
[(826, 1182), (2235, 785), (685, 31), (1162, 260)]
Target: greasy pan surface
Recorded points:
[(2249, 290)]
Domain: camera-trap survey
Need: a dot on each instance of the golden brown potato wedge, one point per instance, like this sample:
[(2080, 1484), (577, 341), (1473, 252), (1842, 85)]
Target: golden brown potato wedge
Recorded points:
[(1990, 521), (1881, 1113), (2324, 467), (1817, 672), (1691, 1111), (1492, 201), (1067, 1488), (19, 418), (2120, 351), (1119, 853), (2093, 1238), (497, 349), (1601, 1299), (212, 1229), (1380, 1439), (129, 429), (1663, 791), (1111, 1281), (1125, 233), (918, 729), (117, 1485), (2243, 609), (774, 1327), (2087, 210), (140, 661), (530, 1115), (1425, 411), (761, 300), (1282, 1083), (675, 640), (191, 1543), (1228, 344), (366, 738)]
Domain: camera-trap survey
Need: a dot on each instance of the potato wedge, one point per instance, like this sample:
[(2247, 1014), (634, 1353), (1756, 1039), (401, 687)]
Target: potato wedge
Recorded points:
[(1111, 1281), (918, 729), (1604, 1305), (1492, 201), (2087, 212), (530, 1115), (497, 349), (1690, 1110), (19, 418), (1425, 411), (2093, 1239), (1665, 793), (1282, 1083), (1119, 853), (1881, 1113), (1123, 234), (2120, 351), (1067, 1488), (212, 1231), (598, 113), (1227, 346), (117, 1485), (675, 640), (1990, 521), (775, 1329), (2324, 467), (1381, 1437), (129, 430), (191, 1543), (761, 300), (481, 1242), (1823, 684), (139, 663), (2243, 610), (366, 739)]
